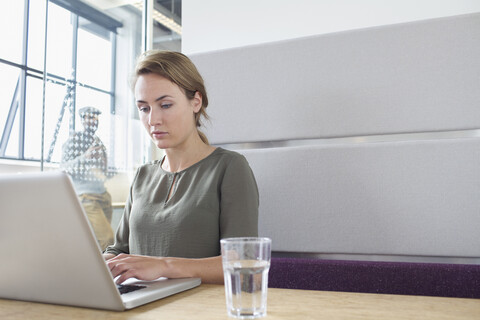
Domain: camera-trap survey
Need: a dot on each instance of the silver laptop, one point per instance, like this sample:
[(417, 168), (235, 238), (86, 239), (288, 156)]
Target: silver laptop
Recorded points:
[(49, 252)]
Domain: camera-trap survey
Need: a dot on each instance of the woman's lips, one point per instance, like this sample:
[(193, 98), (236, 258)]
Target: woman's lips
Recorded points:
[(159, 134)]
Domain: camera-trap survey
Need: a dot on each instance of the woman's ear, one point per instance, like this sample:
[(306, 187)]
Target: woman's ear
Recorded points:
[(197, 102)]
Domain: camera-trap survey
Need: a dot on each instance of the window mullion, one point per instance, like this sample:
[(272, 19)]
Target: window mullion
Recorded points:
[(113, 41), (22, 83), (113, 83), (73, 88)]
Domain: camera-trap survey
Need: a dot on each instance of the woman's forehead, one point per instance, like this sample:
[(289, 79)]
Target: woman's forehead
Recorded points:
[(156, 85)]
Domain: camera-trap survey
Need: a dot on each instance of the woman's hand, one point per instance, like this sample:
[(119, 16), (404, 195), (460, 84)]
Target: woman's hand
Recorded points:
[(125, 266), (108, 256), (141, 267)]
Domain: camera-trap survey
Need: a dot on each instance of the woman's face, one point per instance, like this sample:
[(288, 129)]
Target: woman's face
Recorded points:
[(165, 111)]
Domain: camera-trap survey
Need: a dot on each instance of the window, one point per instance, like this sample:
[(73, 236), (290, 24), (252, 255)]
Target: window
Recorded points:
[(64, 70), (58, 56), (75, 46)]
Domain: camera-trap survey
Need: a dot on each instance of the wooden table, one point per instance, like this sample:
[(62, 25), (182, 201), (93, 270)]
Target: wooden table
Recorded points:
[(208, 302)]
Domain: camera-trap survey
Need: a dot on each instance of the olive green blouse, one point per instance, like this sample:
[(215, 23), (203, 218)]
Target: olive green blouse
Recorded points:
[(213, 199)]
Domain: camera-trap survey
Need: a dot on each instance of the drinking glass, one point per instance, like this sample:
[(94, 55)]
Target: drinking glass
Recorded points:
[(246, 262)]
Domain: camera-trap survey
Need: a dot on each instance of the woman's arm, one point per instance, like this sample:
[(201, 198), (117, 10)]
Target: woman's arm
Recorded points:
[(150, 268), (122, 234), (239, 201)]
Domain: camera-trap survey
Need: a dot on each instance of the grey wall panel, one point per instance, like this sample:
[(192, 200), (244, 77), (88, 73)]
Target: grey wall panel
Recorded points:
[(377, 191), (395, 198), (412, 77)]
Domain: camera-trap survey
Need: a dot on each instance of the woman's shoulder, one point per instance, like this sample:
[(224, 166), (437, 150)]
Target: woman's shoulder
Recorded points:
[(149, 167), (228, 159), (227, 155), (150, 164)]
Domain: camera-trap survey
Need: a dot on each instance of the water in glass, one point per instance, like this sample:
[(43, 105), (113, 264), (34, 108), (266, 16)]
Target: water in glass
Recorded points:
[(246, 283)]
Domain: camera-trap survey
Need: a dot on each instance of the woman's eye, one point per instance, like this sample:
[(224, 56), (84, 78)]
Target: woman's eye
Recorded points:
[(166, 105), (143, 109)]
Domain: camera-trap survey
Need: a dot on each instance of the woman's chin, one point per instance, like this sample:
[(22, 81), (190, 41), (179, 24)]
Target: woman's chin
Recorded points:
[(160, 144)]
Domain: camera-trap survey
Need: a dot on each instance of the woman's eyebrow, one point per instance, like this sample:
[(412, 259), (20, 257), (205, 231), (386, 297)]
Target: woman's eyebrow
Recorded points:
[(162, 97), (158, 99)]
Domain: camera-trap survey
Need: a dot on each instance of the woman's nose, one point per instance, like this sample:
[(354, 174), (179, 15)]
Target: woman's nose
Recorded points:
[(155, 117)]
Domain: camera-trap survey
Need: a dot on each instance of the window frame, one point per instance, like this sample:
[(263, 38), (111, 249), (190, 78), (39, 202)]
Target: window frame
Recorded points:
[(77, 9)]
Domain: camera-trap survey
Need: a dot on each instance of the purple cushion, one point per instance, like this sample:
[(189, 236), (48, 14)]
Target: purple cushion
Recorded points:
[(428, 279)]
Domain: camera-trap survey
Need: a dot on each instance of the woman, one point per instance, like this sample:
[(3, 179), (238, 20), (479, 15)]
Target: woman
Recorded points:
[(181, 206)]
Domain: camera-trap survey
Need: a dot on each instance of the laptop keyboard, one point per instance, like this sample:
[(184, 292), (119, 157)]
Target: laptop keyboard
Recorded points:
[(126, 288)]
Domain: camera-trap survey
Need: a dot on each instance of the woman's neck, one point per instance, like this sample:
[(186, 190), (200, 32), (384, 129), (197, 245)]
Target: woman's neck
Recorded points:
[(180, 159)]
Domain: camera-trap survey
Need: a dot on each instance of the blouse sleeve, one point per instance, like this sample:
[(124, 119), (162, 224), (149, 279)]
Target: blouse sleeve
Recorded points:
[(239, 200), (122, 235)]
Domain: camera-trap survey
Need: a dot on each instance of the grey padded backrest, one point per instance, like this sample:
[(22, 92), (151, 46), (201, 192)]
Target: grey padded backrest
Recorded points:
[(413, 190), (393, 198), (412, 77)]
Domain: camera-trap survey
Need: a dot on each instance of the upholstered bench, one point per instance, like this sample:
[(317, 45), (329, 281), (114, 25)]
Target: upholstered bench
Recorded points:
[(427, 279)]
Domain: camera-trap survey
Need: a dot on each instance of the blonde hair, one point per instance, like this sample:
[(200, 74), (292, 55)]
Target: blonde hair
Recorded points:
[(179, 69)]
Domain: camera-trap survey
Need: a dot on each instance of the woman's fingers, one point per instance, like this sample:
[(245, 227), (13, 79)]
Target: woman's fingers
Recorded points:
[(125, 276), (140, 267)]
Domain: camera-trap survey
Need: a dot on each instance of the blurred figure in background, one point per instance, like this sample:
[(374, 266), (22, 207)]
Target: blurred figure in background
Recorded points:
[(84, 158)]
